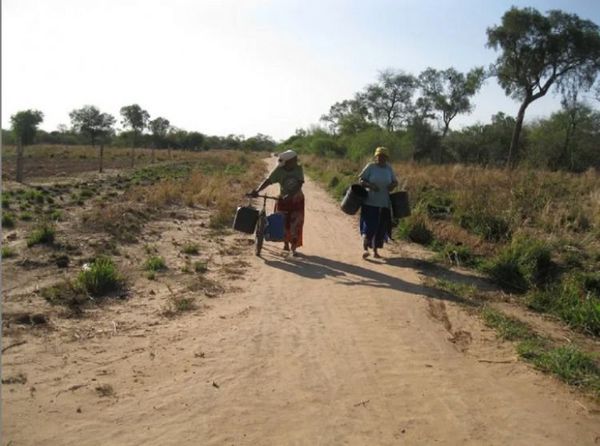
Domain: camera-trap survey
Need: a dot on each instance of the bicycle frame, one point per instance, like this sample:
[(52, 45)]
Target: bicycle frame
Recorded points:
[(261, 224)]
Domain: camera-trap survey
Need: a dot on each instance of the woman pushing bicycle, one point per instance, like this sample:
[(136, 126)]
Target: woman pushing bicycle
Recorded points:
[(290, 177)]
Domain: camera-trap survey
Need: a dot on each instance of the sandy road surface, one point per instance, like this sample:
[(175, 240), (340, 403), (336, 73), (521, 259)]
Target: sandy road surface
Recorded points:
[(323, 349)]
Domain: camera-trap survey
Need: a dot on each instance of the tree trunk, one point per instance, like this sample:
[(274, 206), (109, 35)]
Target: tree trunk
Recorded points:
[(439, 149), (101, 167), (514, 143), (19, 172)]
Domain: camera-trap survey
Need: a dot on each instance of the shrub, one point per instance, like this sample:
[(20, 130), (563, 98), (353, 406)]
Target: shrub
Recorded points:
[(7, 252), (576, 300), (491, 227), (523, 264), (100, 277), (67, 293), (8, 221), (155, 263), (43, 234), (176, 305), (436, 203), (26, 216), (200, 267), (459, 255), (56, 215), (507, 327), (414, 229), (326, 145), (190, 249)]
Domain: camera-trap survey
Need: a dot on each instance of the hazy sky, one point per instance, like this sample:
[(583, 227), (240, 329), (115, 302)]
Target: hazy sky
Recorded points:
[(241, 66)]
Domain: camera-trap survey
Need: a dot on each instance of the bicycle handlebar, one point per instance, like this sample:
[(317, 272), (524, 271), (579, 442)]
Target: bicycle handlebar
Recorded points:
[(261, 196)]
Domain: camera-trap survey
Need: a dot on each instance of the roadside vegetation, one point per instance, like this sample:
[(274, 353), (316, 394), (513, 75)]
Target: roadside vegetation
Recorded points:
[(535, 233), (90, 222), (566, 361)]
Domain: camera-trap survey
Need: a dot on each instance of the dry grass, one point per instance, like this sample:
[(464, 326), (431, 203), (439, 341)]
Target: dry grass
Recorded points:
[(219, 183), (551, 205), (530, 230)]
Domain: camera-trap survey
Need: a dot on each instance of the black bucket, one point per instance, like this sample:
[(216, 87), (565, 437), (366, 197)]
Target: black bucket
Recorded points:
[(354, 198), (245, 219), (400, 205)]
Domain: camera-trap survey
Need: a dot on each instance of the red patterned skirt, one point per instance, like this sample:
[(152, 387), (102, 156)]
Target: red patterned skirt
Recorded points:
[(293, 209)]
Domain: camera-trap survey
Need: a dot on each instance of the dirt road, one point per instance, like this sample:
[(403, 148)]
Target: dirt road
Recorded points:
[(322, 349)]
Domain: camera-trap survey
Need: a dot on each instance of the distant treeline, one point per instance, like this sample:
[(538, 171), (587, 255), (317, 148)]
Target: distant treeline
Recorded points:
[(411, 114), (564, 141), (175, 139)]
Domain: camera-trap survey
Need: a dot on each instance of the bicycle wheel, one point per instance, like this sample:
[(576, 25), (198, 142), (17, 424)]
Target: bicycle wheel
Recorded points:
[(260, 233)]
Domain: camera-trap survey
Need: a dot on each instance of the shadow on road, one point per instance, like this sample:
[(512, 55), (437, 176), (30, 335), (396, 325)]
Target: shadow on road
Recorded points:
[(437, 271), (317, 267)]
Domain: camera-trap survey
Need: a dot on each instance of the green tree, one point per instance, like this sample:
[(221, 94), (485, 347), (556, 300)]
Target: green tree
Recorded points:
[(135, 118), (24, 126), (159, 128), (94, 125), (91, 123), (449, 92), (347, 117), (260, 142), (567, 140), (485, 144), (389, 100), (538, 52)]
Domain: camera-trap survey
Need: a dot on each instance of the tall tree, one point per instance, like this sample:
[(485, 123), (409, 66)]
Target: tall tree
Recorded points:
[(389, 100), (538, 52), (136, 118), (347, 117), (449, 92), (159, 128), (91, 123), (24, 126), (94, 125)]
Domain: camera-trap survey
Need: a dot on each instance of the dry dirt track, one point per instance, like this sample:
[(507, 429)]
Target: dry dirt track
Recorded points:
[(323, 349)]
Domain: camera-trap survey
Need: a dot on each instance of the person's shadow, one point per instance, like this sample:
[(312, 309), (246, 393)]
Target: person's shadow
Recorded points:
[(317, 267)]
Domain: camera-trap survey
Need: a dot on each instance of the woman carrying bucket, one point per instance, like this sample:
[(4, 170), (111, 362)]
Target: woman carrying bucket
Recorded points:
[(290, 177), (375, 215)]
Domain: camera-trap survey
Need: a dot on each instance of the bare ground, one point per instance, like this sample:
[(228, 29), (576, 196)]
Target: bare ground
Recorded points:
[(322, 349)]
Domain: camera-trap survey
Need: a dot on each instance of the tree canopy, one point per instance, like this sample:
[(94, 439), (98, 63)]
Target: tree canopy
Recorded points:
[(159, 128), (538, 52), (136, 118), (449, 92), (90, 122), (389, 100), (25, 123)]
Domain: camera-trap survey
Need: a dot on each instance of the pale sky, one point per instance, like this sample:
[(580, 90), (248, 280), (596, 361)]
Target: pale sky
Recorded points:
[(242, 66)]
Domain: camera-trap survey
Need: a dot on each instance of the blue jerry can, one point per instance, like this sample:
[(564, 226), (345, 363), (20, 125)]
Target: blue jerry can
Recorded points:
[(274, 231)]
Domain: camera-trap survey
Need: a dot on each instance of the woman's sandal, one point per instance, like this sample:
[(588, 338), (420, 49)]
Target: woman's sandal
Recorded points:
[(365, 254)]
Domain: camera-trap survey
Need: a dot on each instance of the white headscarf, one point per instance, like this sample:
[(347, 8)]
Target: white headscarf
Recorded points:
[(286, 156)]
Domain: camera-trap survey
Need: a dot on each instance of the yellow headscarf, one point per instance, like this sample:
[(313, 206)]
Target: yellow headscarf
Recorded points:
[(382, 151)]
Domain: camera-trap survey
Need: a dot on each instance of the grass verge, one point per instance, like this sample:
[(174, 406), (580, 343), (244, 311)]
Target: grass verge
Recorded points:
[(567, 362)]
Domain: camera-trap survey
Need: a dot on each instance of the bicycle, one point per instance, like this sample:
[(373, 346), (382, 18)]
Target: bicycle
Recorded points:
[(261, 224)]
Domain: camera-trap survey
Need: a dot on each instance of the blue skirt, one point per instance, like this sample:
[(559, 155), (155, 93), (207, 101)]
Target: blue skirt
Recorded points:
[(375, 225)]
